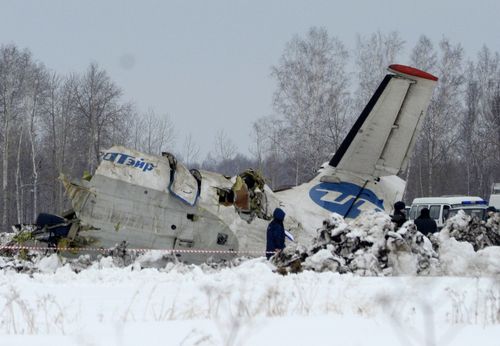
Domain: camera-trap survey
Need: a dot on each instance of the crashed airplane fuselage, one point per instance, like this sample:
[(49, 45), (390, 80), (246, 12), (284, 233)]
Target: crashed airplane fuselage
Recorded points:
[(154, 202)]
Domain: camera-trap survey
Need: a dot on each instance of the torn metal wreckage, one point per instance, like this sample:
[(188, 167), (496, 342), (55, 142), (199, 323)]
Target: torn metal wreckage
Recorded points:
[(155, 202)]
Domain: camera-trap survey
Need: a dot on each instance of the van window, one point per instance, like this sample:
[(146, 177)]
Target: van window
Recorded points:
[(479, 213), (434, 211), (420, 207), (446, 212), (413, 211)]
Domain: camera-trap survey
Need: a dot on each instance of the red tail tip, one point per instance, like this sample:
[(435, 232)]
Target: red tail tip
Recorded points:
[(411, 71)]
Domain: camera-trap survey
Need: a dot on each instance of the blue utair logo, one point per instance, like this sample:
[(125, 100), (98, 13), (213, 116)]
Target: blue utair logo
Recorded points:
[(128, 160), (346, 201)]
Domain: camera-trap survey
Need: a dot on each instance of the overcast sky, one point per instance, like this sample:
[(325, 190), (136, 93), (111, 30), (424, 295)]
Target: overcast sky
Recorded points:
[(207, 63)]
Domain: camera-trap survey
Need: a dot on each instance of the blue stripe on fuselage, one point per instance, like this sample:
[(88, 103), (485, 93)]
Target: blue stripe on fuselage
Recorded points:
[(343, 203)]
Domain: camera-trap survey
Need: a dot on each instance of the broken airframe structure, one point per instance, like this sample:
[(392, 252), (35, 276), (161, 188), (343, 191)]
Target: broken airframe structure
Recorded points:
[(155, 202)]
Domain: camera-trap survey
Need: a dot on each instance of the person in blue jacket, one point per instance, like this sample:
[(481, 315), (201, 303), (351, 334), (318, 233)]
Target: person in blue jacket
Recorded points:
[(275, 233)]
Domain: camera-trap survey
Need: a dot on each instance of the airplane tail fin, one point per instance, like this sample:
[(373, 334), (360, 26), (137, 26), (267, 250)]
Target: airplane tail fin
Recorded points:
[(382, 139)]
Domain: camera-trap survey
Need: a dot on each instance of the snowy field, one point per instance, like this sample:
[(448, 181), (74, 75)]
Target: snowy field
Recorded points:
[(54, 301), (244, 305)]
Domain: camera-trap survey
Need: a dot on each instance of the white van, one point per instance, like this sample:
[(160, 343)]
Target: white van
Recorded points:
[(495, 196), (442, 208)]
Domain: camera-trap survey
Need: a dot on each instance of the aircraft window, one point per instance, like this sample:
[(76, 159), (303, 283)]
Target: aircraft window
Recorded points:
[(222, 238), (192, 217), (434, 211)]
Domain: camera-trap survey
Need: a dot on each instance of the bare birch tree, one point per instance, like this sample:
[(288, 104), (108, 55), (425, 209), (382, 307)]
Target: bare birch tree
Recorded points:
[(190, 151), (223, 147), (488, 75), (272, 154), (98, 103), (312, 98), (14, 66), (468, 130), (424, 57), (152, 133), (34, 102), (52, 126), (440, 131), (373, 55)]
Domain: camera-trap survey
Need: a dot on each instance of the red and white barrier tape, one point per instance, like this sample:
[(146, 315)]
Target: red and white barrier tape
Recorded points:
[(91, 249)]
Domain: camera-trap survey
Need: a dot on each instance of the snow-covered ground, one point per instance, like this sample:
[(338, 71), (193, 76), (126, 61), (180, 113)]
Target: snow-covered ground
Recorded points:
[(244, 305), (56, 302)]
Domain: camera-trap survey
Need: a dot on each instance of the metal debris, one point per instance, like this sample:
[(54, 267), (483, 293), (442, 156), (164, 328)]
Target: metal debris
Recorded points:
[(371, 247), (477, 232)]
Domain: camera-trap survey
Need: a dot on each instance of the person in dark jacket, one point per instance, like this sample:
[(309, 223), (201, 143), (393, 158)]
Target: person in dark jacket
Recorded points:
[(399, 216), (275, 233), (424, 223), (490, 211)]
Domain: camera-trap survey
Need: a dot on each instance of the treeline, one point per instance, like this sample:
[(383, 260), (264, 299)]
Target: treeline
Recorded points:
[(317, 99), (52, 123)]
